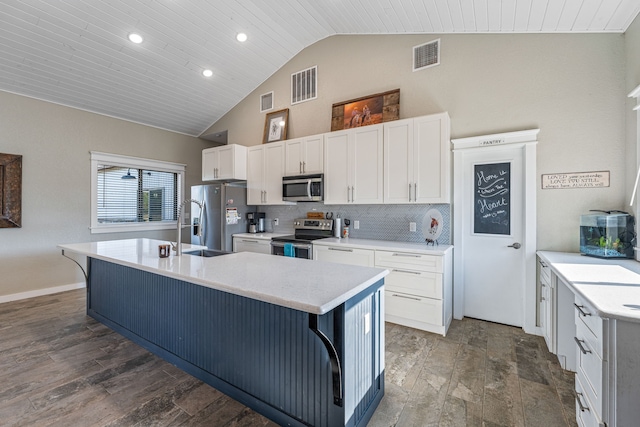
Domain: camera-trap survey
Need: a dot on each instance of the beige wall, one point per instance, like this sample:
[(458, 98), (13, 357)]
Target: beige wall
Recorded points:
[(572, 87), (632, 47), (55, 142)]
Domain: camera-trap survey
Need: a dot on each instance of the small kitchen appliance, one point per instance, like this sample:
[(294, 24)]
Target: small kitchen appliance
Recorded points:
[(607, 234), (300, 244), (255, 222)]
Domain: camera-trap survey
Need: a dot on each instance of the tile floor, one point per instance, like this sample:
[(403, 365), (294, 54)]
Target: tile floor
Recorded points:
[(59, 367)]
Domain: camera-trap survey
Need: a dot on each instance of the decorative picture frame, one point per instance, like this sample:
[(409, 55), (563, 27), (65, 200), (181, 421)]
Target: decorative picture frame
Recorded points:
[(10, 190), (275, 126), (367, 110)]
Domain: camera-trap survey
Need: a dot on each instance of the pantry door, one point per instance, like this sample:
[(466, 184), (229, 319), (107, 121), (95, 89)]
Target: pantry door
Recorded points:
[(494, 207)]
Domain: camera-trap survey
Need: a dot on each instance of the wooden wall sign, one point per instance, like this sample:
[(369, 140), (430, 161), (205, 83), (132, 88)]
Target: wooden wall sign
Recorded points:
[(368, 110), (598, 179), (10, 190)]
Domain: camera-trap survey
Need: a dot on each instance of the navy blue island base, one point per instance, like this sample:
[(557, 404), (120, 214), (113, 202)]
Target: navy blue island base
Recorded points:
[(295, 368)]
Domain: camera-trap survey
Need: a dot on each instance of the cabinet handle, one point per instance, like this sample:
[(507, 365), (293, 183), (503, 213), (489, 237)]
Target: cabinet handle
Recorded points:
[(348, 195), (582, 407), (340, 249), (582, 349), (353, 199), (409, 191), (406, 297), (543, 264), (543, 299), (580, 309), (304, 167), (407, 255), (415, 191), (249, 241), (406, 271), (300, 167), (543, 285)]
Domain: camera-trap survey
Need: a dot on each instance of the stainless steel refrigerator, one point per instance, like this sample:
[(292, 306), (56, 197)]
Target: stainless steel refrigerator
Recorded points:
[(224, 214)]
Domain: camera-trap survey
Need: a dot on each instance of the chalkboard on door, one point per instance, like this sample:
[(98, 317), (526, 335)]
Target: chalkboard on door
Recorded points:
[(492, 198)]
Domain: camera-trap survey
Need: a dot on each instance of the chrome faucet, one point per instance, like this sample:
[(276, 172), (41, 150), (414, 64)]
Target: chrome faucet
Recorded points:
[(178, 245)]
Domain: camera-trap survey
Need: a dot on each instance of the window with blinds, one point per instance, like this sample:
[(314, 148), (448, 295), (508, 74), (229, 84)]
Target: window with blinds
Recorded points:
[(134, 194)]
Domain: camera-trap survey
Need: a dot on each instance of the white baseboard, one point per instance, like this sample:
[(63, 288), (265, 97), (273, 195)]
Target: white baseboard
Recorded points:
[(41, 292)]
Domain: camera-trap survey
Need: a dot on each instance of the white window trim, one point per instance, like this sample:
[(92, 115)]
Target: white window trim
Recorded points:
[(133, 163)]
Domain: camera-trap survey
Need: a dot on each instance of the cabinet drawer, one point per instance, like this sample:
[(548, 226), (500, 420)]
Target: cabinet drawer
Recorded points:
[(420, 283), (409, 260), (411, 307), (585, 414), (342, 255), (590, 367), (587, 314), (545, 272)]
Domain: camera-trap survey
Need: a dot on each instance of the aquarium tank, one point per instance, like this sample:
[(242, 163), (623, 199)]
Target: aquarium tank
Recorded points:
[(607, 234)]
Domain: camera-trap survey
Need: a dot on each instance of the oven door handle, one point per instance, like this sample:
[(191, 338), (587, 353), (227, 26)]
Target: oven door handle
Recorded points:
[(295, 245)]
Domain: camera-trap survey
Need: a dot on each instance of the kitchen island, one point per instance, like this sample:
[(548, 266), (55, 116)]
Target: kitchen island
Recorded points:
[(298, 341)]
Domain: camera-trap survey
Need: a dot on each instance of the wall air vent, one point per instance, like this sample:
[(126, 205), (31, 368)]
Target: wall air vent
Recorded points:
[(266, 102), (426, 55), (304, 85)]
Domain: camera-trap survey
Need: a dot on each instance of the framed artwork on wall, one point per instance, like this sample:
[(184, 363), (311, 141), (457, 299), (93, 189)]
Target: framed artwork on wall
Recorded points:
[(275, 126), (10, 190), (367, 110)]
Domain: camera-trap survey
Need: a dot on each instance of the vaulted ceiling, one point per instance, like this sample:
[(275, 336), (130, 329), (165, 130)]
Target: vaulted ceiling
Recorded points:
[(76, 52)]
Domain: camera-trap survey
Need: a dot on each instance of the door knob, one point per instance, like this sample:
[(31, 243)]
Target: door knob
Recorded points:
[(515, 246)]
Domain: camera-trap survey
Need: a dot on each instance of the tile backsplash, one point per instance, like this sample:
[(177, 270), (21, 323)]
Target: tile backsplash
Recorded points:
[(379, 222)]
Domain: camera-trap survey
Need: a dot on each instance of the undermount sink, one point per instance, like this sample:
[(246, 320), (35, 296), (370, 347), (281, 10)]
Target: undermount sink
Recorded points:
[(207, 253)]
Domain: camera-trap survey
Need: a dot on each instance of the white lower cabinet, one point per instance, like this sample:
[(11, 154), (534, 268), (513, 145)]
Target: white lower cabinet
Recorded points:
[(351, 256), (418, 288), (605, 356), (243, 244)]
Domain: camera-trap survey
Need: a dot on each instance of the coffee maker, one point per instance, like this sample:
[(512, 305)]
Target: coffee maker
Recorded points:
[(256, 222)]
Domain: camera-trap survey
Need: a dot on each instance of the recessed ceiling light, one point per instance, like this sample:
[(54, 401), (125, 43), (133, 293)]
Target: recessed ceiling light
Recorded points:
[(241, 37), (207, 73), (135, 38)]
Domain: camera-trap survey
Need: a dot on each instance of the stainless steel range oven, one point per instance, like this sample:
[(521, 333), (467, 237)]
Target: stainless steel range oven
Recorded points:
[(300, 244)]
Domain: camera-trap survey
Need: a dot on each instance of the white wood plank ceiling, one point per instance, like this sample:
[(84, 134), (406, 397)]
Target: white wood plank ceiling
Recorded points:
[(76, 52)]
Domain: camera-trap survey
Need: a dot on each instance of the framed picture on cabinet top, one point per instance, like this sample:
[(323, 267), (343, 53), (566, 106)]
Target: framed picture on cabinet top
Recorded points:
[(275, 126)]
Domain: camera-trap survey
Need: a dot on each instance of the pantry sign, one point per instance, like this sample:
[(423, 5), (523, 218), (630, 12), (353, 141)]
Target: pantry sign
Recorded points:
[(598, 179)]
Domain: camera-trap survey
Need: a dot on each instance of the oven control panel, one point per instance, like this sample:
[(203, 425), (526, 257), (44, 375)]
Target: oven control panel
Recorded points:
[(313, 224)]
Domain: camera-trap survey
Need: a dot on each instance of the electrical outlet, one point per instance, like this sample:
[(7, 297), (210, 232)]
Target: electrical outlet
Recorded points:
[(356, 225), (412, 226), (275, 221)]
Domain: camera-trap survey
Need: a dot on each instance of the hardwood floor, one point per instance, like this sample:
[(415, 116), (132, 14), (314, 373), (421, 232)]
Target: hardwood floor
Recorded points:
[(59, 367)]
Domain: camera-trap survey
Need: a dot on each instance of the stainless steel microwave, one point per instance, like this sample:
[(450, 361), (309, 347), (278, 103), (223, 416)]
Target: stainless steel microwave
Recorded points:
[(303, 188)]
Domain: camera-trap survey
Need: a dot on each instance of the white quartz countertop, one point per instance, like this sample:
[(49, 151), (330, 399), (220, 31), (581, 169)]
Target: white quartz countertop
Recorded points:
[(260, 236), (312, 286), (386, 245), (611, 286)]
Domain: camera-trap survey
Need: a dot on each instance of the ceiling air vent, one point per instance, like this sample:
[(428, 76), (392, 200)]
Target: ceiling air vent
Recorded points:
[(304, 85), (426, 55), (266, 102)]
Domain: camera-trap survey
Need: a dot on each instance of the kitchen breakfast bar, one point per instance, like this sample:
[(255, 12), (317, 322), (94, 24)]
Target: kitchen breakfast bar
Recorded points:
[(299, 341)]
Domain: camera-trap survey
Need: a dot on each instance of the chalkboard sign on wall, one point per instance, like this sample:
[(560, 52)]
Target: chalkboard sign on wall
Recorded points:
[(492, 198)]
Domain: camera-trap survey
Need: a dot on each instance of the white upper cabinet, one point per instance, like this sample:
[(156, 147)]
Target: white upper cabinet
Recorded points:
[(227, 162), (417, 160), (353, 166), (265, 164), (304, 156)]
